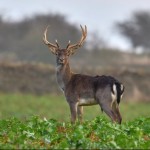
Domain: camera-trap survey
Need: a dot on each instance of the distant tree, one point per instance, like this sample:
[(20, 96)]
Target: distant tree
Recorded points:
[(137, 30), (24, 38), (95, 42)]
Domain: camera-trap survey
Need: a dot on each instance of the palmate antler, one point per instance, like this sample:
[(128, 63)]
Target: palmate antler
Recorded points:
[(70, 47), (52, 47)]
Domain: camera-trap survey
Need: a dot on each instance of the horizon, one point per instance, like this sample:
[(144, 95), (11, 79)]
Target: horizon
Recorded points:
[(108, 12)]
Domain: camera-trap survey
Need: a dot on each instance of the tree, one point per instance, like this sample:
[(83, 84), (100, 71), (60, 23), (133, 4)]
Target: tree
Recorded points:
[(95, 42), (23, 39), (137, 30)]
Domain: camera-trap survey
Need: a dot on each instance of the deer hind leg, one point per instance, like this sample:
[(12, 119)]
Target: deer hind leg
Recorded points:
[(115, 105), (109, 111), (115, 108), (103, 97), (80, 113)]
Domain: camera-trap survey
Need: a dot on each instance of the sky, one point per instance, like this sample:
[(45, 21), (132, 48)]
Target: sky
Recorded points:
[(99, 15)]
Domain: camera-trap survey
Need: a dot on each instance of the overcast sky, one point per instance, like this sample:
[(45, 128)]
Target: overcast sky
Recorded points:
[(98, 15)]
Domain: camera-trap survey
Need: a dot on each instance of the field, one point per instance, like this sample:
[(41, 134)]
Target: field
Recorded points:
[(31, 121), (55, 106)]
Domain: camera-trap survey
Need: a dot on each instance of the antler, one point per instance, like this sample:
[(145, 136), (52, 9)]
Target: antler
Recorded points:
[(71, 48), (53, 47)]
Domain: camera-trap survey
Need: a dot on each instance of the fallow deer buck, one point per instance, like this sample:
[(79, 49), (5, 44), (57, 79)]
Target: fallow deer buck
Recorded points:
[(84, 90)]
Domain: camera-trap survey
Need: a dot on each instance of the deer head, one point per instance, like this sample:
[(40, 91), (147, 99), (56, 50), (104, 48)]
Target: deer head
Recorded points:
[(62, 54)]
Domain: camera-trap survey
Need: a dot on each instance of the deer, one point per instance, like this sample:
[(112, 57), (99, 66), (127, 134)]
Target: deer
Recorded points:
[(85, 90)]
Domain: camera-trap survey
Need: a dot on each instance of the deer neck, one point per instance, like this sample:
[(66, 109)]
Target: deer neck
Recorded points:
[(63, 73)]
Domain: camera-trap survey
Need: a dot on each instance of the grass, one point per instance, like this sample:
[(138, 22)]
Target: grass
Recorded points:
[(53, 106)]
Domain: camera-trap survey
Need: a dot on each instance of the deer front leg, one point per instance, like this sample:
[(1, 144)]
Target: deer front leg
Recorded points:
[(73, 110), (80, 113)]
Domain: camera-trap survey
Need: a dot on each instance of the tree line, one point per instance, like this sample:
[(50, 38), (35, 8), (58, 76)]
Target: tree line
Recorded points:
[(137, 30), (22, 40)]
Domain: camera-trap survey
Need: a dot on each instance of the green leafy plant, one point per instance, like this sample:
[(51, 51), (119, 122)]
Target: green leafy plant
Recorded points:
[(51, 134)]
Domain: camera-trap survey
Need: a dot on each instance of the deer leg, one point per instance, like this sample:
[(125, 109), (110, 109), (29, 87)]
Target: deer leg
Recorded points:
[(73, 110), (80, 113), (107, 109), (115, 108), (105, 100)]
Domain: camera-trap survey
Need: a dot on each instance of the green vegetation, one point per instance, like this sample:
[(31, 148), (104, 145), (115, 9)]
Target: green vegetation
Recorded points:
[(53, 106), (21, 128), (50, 134), (23, 106)]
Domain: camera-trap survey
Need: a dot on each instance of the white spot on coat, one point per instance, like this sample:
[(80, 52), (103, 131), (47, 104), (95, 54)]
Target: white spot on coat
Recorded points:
[(87, 101)]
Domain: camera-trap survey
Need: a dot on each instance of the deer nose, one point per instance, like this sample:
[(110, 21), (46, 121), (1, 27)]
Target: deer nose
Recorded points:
[(61, 59)]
